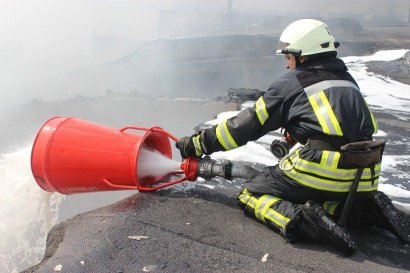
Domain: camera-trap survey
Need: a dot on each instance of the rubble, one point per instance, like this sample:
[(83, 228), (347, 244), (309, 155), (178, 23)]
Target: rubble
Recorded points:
[(240, 95), (398, 70)]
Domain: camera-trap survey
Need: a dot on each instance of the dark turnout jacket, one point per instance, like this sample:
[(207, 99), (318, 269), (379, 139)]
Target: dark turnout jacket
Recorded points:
[(319, 98)]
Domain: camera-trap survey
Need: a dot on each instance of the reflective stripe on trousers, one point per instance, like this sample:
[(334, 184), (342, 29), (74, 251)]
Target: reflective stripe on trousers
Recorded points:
[(330, 206), (266, 208)]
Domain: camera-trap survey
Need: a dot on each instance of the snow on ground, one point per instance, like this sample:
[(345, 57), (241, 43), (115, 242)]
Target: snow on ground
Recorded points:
[(251, 152), (382, 55), (380, 91)]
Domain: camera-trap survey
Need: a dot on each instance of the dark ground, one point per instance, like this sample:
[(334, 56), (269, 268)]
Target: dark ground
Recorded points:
[(191, 228), (200, 231), (398, 70)]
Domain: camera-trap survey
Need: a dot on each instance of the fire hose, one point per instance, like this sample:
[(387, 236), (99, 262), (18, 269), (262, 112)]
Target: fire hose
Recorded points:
[(209, 168)]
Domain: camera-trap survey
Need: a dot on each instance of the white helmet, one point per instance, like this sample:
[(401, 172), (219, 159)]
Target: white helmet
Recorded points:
[(306, 37)]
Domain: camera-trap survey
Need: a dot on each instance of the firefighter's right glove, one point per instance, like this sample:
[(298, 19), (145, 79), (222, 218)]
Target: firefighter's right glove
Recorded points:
[(186, 147)]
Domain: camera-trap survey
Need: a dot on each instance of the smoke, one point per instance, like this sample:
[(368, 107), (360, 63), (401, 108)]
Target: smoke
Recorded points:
[(230, 4), (45, 45)]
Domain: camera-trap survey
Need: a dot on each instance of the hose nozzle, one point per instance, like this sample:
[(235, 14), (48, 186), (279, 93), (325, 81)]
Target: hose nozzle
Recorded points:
[(209, 168), (190, 168), (279, 148), (206, 168)]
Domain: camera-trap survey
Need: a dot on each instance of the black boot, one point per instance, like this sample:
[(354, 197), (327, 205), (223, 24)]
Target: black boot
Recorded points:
[(315, 224), (384, 214)]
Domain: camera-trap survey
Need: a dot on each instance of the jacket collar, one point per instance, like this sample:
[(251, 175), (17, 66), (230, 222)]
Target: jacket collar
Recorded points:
[(330, 63)]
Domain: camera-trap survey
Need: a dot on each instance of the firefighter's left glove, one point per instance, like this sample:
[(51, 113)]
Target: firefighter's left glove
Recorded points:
[(186, 146)]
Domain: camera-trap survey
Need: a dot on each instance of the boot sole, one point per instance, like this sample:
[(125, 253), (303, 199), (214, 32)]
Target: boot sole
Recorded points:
[(331, 230), (398, 221)]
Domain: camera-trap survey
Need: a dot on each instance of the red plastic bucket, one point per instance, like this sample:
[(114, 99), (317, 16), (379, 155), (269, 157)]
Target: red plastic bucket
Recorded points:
[(71, 155)]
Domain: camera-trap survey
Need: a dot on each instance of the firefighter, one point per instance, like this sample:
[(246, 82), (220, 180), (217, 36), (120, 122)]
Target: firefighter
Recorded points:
[(320, 106)]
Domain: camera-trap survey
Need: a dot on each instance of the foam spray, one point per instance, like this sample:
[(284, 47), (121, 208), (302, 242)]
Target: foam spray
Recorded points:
[(153, 163)]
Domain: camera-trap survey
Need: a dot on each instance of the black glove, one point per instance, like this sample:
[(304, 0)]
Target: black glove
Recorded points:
[(186, 147)]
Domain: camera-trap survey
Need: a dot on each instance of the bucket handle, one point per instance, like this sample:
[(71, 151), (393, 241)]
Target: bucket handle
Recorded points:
[(119, 187), (160, 186), (152, 129), (142, 188)]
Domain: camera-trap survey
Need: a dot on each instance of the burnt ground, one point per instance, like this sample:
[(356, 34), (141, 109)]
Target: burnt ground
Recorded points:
[(390, 37), (200, 231), (197, 227), (398, 70)]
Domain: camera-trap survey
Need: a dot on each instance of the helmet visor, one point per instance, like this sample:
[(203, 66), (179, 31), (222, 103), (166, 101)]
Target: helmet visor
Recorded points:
[(281, 46)]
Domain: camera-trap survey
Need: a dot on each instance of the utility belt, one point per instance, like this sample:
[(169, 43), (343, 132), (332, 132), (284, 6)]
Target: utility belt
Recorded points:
[(360, 154), (335, 170), (327, 143), (355, 155)]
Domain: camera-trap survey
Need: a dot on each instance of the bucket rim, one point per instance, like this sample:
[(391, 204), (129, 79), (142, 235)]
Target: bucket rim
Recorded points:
[(40, 172), (140, 145)]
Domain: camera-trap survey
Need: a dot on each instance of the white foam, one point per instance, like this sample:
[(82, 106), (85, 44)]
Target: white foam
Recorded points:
[(380, 133), (402, 206), (153, 163), (251, 152), (247, 104), (379, 90), (27, 213), (396, 191), (211, 187), (389, 162), (222, 116), (382, 55)]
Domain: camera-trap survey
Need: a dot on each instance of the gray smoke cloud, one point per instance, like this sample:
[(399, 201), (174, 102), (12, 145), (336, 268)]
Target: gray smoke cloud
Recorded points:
[(45, 46), (230, 4)]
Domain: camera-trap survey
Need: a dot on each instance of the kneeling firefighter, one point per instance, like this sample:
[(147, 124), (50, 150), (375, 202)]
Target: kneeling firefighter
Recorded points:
[(320, 106)]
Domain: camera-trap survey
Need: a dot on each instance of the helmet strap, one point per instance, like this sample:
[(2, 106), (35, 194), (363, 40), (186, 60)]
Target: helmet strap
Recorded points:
[(297, 59)]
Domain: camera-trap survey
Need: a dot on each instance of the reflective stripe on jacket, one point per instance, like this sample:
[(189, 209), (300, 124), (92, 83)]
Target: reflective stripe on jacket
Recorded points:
[(328, 177)]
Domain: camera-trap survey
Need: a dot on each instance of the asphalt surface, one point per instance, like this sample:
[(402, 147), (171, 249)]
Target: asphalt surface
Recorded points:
[(199, 230), (197, 227)]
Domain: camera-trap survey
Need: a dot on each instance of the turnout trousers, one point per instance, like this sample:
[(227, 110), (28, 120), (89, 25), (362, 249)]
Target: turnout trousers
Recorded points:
[(276, 200)]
